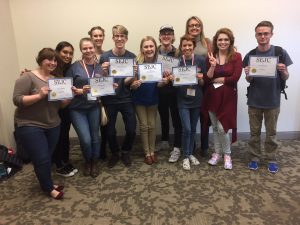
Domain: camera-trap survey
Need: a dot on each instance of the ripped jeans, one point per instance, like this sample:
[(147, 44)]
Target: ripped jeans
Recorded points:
[(221, 139)]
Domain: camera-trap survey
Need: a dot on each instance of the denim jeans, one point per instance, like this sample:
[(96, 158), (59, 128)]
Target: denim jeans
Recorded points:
[(221, 139), (189, 119), (39, 144), (128, 115), (86, 124)]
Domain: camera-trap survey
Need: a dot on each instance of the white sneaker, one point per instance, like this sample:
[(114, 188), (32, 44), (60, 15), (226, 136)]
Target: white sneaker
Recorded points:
[(163, 145), (186, 164), (175, 155), (227, 162), (194, 161), (215, 159)]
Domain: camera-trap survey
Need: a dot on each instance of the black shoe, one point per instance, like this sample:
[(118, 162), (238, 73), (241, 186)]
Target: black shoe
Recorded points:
[(204, 152), (71, 168), (125, 157), (64, 172), (113, 160)]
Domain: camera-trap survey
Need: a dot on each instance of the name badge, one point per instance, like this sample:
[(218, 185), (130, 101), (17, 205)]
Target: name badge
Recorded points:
[(191, 92), (90, 97)]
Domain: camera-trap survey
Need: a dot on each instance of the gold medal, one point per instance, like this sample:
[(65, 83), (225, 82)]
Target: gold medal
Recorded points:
[(253, 70), (53, 94), (177, 79), (113, 71), (143, 77)]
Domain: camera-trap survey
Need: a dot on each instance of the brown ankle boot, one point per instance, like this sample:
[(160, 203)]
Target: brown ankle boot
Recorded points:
[(95, 169), (87, 168)]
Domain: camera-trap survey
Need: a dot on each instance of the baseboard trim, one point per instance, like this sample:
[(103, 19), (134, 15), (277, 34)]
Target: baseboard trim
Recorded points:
[(286, 135), (242, 136)]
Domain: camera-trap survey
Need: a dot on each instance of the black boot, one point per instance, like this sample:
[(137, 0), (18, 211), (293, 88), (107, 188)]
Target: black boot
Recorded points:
[(113, 160), (87, 168), (125, 157), (95, 168)]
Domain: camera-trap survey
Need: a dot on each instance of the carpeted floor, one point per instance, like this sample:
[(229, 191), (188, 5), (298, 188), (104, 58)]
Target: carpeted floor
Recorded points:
[(162, 193)]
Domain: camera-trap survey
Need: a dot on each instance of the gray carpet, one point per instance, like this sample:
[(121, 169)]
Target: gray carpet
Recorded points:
[(162, 193)]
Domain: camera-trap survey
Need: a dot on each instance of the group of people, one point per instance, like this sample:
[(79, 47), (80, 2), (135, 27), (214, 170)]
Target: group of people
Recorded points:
[(43, 126)]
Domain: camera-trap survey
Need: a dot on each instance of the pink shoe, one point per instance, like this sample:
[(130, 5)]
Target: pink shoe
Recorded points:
[(214, 159), (227, 162)]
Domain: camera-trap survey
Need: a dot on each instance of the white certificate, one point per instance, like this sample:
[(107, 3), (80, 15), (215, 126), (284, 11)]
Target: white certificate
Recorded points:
[(60, 88), (263, 66), (121, 67), (185, 75), (150, 72), (167, 62), (101, 86)]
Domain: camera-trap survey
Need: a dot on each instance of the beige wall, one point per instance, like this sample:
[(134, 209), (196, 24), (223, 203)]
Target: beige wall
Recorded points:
[(41, 23), (9, 68)]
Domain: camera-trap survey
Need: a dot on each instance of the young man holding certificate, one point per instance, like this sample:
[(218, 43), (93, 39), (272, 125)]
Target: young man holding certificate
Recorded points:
[(122, 101), (264, 94)]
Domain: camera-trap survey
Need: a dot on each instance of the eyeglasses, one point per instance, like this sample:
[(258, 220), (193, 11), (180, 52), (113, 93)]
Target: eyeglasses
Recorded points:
[(121, 36), (196, 25), (263, 34)]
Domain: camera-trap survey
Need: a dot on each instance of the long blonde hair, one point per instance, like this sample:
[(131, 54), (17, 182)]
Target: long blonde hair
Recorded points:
[(141, 57), (202, 36)]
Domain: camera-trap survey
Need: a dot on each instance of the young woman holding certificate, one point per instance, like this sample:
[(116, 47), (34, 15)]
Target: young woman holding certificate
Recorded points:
[(189, 97), (60, 156), (194, 27), (65, 52), (97, 34), (145, 98), (37, 120), (84, 108), (220, 99)]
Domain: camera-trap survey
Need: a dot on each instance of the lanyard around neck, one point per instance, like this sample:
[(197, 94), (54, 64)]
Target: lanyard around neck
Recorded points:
[(86, 70), (183, 58)]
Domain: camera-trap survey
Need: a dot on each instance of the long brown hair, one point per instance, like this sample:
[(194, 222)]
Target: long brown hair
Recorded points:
[(231, 49)]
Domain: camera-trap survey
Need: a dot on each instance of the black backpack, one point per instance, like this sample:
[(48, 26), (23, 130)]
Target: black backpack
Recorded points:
[(281, 59), (9, 163)]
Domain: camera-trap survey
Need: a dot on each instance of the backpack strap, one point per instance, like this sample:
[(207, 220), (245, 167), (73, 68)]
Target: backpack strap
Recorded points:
[(281, 59), (252, 52), (279, 53)]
